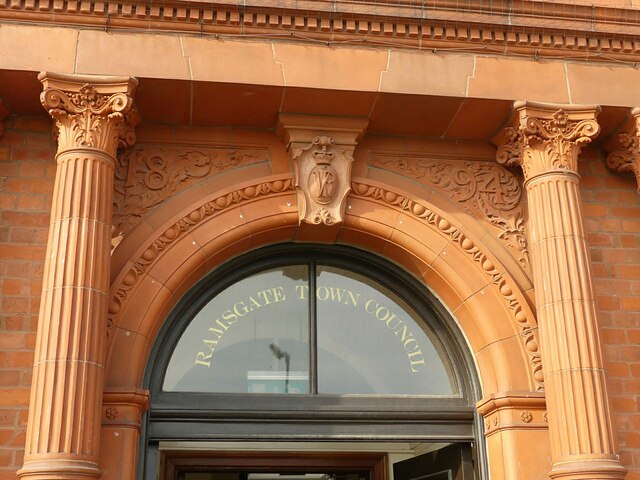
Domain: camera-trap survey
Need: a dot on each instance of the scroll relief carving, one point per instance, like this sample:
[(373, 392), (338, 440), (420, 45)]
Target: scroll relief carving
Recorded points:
[(323, 172), (88, 118), (541, 145), (484, 189), (526, 326), (626, 158), (145, 177)]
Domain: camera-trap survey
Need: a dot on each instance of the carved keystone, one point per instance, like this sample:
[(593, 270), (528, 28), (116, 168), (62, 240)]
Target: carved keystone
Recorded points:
[(321, 149), (625, 154)]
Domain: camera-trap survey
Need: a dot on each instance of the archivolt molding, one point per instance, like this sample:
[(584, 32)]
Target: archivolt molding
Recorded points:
[(127, 282), (593, 33), (484, 189), (498, 277), (148, 175)]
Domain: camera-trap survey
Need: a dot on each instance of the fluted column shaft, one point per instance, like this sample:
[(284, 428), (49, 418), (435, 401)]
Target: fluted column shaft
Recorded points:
[(546, 145), (63, 433)]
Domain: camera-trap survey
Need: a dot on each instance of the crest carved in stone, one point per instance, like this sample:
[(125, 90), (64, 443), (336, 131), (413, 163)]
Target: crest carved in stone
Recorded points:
[(145, 177), (323, 172)]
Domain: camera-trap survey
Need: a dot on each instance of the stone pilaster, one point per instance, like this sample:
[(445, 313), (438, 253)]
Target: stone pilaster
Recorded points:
[(515, 428), (625, 156), (546, 142), (93, 118), (121, 425)]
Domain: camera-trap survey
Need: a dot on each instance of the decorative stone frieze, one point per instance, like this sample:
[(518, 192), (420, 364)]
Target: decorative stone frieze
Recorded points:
[(545, 141), (93, 117), (626, 157), (146, 176), (484, 189), (321, 149)]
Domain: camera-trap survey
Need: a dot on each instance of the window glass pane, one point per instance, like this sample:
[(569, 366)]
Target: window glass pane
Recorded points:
[(252, 337), (371, 342)]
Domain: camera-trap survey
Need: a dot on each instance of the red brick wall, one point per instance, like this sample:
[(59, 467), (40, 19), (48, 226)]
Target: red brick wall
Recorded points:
[(612, 221), (27, 169)]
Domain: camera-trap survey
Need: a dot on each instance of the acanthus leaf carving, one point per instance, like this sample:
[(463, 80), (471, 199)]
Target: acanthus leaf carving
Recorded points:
[(147, 176), (626, 158), (88, 118), (546, 140), (484, 189)]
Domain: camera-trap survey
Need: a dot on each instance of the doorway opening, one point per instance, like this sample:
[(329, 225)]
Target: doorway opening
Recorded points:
[(323, 348)]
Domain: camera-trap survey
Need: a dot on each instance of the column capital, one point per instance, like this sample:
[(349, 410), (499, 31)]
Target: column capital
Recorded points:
[(625, 155), (544, 138), (91, 111)]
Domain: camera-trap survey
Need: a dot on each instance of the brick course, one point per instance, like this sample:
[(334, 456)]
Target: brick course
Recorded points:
[(27, 169), (612, 209)]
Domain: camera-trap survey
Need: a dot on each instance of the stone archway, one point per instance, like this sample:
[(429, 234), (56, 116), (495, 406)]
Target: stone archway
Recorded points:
[(460, 269)]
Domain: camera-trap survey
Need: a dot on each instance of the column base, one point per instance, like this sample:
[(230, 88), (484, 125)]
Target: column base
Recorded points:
[(59, 469), (588, 468)]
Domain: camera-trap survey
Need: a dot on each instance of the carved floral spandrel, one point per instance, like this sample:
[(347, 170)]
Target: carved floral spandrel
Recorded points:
[(455, 235), (120, 295), (147, 176), (484, 189)]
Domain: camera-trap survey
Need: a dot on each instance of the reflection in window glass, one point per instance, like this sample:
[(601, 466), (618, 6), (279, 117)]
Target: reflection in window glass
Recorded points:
[(370, 341), (252, 337)]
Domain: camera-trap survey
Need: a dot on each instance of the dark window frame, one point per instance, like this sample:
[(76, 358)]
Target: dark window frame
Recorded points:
[(231, 416)]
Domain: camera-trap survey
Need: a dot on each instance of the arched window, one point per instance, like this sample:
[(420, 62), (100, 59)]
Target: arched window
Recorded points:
[(299, 342)]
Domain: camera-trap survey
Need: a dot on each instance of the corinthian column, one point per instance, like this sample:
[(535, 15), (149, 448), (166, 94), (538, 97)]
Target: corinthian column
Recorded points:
[(546, 142), (63, 433)]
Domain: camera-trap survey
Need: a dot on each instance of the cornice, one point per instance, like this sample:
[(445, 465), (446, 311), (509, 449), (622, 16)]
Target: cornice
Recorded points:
[(538, 29)]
